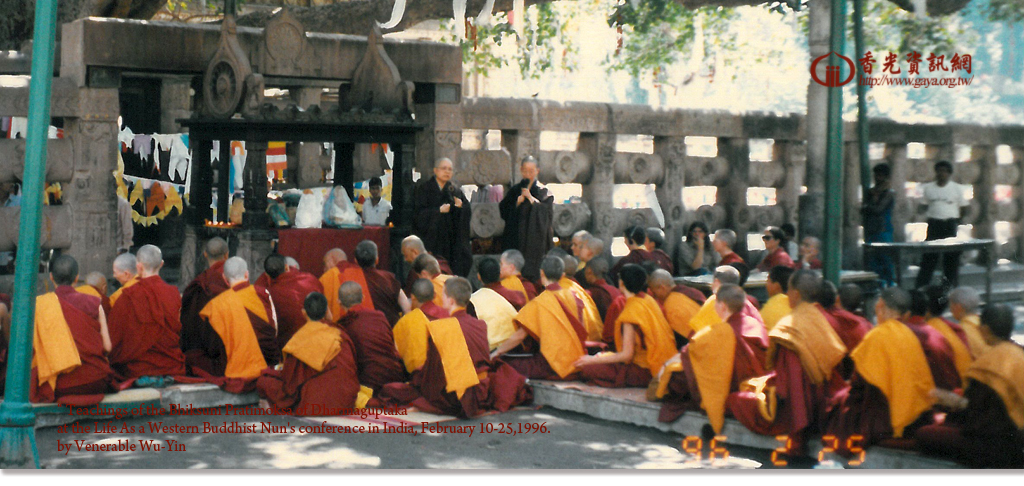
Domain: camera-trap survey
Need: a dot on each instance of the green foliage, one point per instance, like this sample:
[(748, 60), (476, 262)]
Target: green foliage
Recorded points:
[(1006, 10)]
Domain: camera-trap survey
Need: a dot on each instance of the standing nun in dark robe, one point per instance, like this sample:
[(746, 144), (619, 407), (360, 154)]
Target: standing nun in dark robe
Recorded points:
[(528, 209), (442, 218)]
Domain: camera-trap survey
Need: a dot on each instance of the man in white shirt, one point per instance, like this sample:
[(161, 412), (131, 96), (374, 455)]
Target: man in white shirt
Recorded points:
[(945, 206), (376, 208)]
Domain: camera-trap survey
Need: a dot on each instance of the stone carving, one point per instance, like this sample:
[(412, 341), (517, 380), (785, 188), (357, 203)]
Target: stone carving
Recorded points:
[(713, 216), (565, 167), (640, 217), (639, 168), (55, 232), (376, 83), (967, 172), (486, 221), (570, 218), (483, 167), (767, 174), (1007, 211), (254, 88), (1007, 174), (224, 81), (59, 160), (704, 171), (765, 216), (284, 42)]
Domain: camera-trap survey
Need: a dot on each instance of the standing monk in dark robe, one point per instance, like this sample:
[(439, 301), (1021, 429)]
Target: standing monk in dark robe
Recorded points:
[(70, 344), (145, 329), (715, 363), (200, 292), (528, 209), (458, 377), (376, 352), (319, 373), (442, 218), (288, 288), (890, 391), (239, 333), (985, 428)]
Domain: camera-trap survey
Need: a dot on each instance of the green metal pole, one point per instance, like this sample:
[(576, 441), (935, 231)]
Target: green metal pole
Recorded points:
[(17, 421), (862, 101), (834, 150)]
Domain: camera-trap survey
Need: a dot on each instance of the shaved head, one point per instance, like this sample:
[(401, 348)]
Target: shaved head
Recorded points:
[(236, 270), (274, 265), (64, 270), (412, 247), (216, 249), (98, 280), (125, 262), (350, 294), (428, 263), (333, 257), (598, 267), (423, 290), (459, 290), (661, 278), (291, 263), (150, 257)]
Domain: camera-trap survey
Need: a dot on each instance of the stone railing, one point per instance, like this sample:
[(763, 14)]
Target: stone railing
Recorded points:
[(597, 165)]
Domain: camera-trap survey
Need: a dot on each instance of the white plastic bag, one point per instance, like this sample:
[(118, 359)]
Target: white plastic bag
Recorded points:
[(308, 213)]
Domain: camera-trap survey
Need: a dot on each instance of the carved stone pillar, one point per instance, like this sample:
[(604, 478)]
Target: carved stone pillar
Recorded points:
[(254, 176), (896, 156), (732, 193), (92, 191), (254, 246), (852, 254), (672, 151), (310, 169), (793, 156), (812, 204), (600, 149), (190, 255), (441, 138), (519, 144), (984, 157), (175, 103)]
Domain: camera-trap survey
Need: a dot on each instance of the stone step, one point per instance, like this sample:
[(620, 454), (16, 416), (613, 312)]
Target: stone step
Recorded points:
[(629, 405)]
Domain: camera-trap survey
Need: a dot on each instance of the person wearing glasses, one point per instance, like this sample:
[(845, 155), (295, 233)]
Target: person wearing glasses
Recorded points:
[(442, 217), (775, 254)]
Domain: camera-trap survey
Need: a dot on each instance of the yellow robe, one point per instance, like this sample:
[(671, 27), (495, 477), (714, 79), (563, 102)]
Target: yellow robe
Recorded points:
[(680, 311), (712, 353), (54, 347), (591, 318), (972, 327), (493, 309), (438, 282), (657, 344), (117, 293), (315, 344), (775, 309), (1002, 370), (962, 358), (411, 339), (226, 314), (513, 283), (545, 320), (459, 370), (807, 333), (706, 316), (891, 358)]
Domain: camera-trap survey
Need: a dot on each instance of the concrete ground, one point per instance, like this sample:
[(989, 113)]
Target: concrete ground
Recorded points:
[(573, 441)]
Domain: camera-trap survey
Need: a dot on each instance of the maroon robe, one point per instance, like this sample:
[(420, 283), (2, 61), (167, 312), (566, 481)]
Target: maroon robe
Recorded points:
[(433, 311), (694, 294), (748, 362), (411, 278), (211, 359), (289, 291), (517, 299), (196, 295), (938, 352), (603, 295), (145, 330), (776, 258), (531, 289), (536, 367), (664, 261), (500, 387), (981, 436), (384, 289), (850, 327), (731, 258), (307, 391), (376, 354), (86, 384), (637, 257)]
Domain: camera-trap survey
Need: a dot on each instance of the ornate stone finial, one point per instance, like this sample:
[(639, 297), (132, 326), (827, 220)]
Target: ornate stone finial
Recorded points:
[(376, 83), (224, 84), (284, 44)]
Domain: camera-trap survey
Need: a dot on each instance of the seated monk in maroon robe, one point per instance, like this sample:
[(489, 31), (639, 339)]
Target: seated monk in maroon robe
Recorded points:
[(411, 331), (715, 362), (458, 377), (318, 375), (643, 339), (381, 289), (207, 285), (145, 329), (985, 428), (288, 288), (240, 333), (655, 240), (679, 302), (489, 273), (96, 286), (376, 352), (850, 327), (638, 254), (938, 350), (548, 330), (803, 351), (412, 247), (512, 262), (954, 333), (70, 344), (890, 391), (125, 273), (602, 293)]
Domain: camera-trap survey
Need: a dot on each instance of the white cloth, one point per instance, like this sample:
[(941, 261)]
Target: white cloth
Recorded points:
[(397, 12), (376, 215), (125, 230), (944, 202), (308, 214), (179, 158), (339, 210)]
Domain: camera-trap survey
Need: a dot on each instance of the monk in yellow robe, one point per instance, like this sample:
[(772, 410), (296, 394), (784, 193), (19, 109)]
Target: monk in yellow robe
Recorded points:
[(777, 305), (334, 261), (96, 286), (319, 375), (548, 329), (955, 334), (986, 426), (590, 317), (643, 339), (411, 330), (890, 391), (125, 273), (707, 316), (679, 304), (491, 306), (963, 304), (241, 335), (714, 363), (512, 263)]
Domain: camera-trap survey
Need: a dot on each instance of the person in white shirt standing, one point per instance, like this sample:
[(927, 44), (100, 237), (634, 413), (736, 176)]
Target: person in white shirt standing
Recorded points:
[(945, 206), (376, 209)]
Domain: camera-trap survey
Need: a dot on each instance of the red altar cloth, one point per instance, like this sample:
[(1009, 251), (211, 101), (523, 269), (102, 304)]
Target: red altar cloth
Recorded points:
[(308, 245)]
